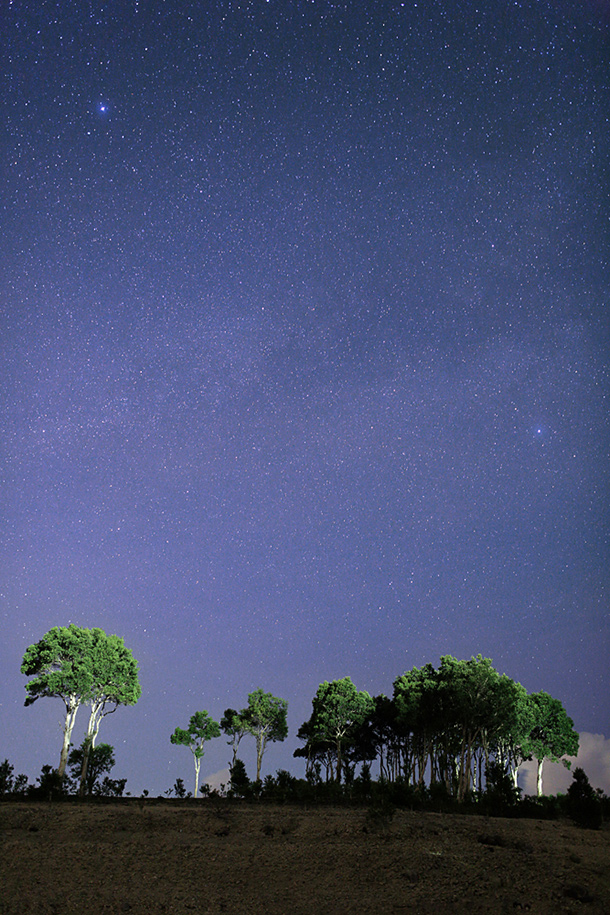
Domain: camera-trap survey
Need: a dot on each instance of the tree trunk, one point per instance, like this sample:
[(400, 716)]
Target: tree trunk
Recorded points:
[(539, 778), (93, 728), (72, 705), (85, 766), (260, 749), (197, 768)]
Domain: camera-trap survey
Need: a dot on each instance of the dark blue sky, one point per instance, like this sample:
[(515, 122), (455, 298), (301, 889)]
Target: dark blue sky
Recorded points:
[(304, 336)]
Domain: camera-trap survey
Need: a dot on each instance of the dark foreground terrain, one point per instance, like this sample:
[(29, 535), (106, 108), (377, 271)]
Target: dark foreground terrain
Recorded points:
[(212, 856)]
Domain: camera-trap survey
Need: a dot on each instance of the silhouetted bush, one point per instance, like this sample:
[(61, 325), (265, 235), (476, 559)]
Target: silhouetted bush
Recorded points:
[(500, 797), (583, 804), (50, 785), (239, 783)]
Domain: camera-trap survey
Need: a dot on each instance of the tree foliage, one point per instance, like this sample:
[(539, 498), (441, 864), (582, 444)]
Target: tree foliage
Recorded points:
[(461, 729), (584, 805), (9, 783)]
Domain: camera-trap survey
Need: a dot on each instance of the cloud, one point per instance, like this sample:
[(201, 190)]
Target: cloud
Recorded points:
[(216, 779), (593, 756)]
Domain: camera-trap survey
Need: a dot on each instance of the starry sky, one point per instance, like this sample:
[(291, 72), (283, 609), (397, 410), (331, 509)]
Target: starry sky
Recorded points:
[(304, 337)]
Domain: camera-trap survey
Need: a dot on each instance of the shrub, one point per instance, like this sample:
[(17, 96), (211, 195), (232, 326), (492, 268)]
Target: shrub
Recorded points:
[(584, 806)]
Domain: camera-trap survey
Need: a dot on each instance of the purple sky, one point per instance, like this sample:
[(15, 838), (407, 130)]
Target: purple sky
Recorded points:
[(304, 340)]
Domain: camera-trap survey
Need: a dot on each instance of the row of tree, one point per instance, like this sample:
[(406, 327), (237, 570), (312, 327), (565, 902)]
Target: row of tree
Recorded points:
[(264, 718), (449, 726)]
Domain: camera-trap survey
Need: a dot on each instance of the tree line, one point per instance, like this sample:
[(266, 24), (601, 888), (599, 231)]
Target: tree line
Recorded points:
[(458, 728), (450, 726)]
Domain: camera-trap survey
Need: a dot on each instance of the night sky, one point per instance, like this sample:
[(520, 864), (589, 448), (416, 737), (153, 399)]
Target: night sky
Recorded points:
[(304, 339)]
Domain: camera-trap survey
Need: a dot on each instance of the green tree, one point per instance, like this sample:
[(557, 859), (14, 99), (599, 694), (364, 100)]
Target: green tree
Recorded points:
[(483, 709), (265, 719), (113, 682), (552, 735), (60, 664), (455, 721), (200, 729), (234, 725), (339, 710), (81, 666), (422, 725)]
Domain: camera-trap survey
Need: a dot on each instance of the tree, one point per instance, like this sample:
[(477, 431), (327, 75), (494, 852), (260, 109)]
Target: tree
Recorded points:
[(339, 709), (552, 735), (421, 723), (234, 726), (265, 719), (482, 706), (81, 666), (60, 665), (201, 728), (113, 682)]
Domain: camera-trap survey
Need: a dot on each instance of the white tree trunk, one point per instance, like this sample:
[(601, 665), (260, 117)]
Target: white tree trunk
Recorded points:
[(539, 777), (197, 768), (95, 719), (72, 704)]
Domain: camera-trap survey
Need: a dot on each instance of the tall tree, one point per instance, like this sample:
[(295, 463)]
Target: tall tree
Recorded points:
[(552, 735), (114, 682), (234, 725), (200, 729), (339, 710), (265, 719), (60, 665), (472, 691), (420, 723)]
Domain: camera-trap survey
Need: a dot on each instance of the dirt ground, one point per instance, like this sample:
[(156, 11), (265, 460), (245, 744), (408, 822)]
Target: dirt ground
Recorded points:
[(153, 857)]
